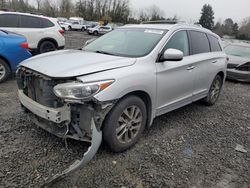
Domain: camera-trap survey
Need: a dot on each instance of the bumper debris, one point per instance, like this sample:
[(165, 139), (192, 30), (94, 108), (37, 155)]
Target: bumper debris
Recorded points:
[(79, 164)]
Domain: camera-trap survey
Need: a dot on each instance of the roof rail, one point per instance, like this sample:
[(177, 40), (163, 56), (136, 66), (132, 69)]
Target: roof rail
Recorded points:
[(160, 22)]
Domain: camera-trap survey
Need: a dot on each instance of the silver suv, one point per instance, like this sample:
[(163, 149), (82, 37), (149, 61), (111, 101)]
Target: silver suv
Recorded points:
[(117, 84)]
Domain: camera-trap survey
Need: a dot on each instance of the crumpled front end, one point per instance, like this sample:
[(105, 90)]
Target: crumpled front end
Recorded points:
[(71, 119), (79, 120)]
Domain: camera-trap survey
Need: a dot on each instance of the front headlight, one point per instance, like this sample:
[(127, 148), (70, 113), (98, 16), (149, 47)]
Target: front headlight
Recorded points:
[(78, 90)]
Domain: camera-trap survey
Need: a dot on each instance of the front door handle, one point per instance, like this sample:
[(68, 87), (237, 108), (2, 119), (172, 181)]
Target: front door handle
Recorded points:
[(214, 61), (190, 67)]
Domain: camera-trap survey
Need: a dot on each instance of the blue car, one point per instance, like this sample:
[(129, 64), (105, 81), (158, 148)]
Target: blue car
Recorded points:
[(13, 50)]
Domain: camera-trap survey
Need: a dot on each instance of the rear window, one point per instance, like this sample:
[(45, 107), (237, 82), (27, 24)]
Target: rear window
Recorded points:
[(214, 43), (9, 20), (199, 42), (3, 32)]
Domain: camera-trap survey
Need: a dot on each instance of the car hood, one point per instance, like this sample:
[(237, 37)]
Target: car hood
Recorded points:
[(238, 60), (72, 63)]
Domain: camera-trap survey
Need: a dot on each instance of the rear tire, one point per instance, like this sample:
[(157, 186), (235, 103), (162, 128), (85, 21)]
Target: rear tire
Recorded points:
[(70, 28), (214, 91), (4, 71), (83, 29), (125, 123), (47, 46), (95, 33)]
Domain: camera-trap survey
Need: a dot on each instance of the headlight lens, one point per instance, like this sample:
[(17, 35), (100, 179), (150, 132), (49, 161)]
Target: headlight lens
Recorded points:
[(78, 90)]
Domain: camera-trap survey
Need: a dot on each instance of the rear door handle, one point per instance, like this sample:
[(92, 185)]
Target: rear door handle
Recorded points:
[(190, 67), (214, 61)]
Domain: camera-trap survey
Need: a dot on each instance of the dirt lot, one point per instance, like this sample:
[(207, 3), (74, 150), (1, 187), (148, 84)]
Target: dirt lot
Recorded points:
[(190, 147)]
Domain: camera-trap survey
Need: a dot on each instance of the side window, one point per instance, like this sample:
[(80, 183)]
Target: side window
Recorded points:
[(179, 41), (9, 20), (46, 23), (199, 42), (30, 22), (214, 43)]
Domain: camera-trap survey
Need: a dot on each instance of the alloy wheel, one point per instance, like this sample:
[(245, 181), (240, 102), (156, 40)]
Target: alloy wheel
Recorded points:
[(2, 71), (129, 124), (215, 90)]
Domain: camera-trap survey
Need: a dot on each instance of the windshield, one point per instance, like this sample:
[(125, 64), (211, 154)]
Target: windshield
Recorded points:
[(241, 51), (127, 42)]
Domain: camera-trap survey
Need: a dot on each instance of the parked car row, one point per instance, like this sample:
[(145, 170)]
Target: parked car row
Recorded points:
[(76, 23)]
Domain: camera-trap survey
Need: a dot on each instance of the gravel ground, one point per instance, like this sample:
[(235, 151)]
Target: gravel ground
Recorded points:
[(191, 147)]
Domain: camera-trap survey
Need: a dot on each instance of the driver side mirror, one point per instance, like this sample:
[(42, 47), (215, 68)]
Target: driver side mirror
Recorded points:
[(172, 55)]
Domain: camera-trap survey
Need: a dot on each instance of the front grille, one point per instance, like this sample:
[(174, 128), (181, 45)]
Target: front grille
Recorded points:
[(38, 87), (231, 66), (244, 67)]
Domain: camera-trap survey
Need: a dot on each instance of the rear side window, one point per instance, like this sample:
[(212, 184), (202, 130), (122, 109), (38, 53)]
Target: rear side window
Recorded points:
[(199, 42), (9, 20), (29, 22), (46, 23), (34, 22), (214, 43), (179, 41)]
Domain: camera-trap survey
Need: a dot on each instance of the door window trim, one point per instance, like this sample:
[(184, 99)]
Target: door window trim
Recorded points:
[(161, 51)]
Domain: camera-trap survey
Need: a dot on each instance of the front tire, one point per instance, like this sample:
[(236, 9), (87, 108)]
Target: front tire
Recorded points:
[(47, 46), (4, 70), (125, 123), (95, 33), (214, 91)]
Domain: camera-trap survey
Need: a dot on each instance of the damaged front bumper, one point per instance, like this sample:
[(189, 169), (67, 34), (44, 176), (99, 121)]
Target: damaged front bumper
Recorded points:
[(77, 121)]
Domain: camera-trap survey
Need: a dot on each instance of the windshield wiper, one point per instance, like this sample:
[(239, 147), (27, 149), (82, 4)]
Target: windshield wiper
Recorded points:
[(103, 52)]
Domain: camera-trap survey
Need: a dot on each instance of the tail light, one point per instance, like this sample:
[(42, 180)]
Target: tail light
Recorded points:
[(61, 31), (24, 45)]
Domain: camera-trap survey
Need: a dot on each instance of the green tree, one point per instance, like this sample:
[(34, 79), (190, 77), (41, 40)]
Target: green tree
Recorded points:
[(228, 26), (235, 29), (207, 17)]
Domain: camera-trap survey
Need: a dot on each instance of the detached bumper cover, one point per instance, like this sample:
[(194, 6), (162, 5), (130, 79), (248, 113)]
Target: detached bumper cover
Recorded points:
[(60, 115), (56, 115), (243, 76), (79, 164)]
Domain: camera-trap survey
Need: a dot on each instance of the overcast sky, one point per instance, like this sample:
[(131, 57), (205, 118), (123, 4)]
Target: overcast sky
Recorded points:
[(189, 10)]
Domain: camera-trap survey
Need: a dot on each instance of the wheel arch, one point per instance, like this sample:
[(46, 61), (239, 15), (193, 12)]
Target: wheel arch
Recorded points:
[(6, 61), (47, 39), (146, 99), (222, 74)]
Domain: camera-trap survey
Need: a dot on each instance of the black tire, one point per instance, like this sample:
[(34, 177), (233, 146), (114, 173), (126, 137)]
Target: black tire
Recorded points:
[(214, 91), (4, 71), (47, 46), (133, 129), (83, 29), (70, 28), (95, 33)]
